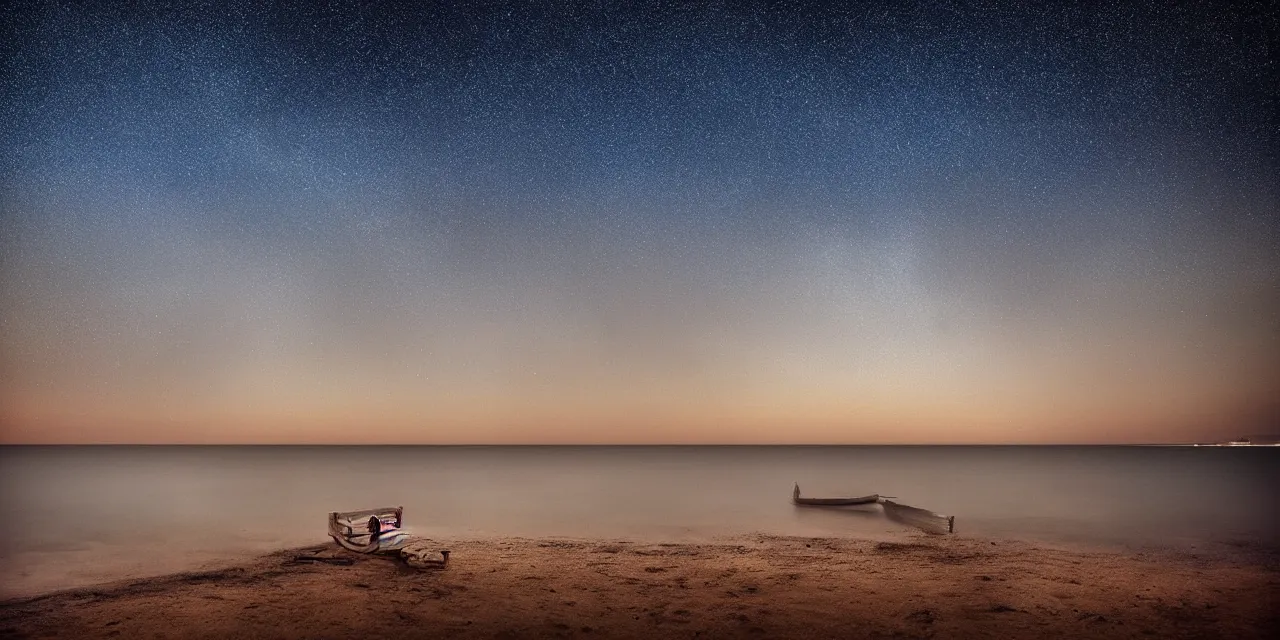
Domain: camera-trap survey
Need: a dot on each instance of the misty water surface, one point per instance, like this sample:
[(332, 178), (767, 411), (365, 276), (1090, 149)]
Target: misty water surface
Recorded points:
[(77, 515)]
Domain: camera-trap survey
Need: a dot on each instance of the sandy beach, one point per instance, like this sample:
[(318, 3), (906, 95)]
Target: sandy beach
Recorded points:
[(757, 586)]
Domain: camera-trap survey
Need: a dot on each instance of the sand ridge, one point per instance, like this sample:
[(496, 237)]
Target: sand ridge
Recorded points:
[(756, 586)]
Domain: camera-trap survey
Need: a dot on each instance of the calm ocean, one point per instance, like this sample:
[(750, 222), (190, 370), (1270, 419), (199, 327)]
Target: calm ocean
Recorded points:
[(79, 515)]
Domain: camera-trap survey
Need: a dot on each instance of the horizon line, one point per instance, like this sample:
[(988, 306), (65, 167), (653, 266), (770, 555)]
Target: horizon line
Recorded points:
[(601, 444)]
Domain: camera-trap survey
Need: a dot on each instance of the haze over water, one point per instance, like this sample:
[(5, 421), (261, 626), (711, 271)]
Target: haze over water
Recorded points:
[(80, 515)]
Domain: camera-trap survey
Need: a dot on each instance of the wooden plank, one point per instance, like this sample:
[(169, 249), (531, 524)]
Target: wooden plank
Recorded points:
[(367, 513), (363, 521), (919, 518)]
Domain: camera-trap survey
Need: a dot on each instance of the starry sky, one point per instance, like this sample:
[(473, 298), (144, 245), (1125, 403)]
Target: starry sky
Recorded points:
[(744, 222)]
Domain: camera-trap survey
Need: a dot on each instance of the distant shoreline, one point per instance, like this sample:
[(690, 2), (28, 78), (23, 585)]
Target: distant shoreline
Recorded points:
[(108, 445)]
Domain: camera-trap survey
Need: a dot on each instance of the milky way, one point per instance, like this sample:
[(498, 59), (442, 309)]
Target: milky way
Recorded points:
[(754, 222)]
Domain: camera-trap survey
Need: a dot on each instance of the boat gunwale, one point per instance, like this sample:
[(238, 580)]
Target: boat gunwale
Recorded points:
[(833, 502)]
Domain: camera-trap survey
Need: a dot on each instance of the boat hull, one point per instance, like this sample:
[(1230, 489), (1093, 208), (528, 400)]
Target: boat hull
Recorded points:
[(832, 502)]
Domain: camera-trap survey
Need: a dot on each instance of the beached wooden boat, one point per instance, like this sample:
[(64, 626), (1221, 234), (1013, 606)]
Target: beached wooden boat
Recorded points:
[(364, 531), (914, 516), (832, 502), (379, 531)]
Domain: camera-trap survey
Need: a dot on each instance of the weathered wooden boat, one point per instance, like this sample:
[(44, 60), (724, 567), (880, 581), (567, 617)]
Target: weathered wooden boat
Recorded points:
[(369, 530), (913, 516), (379, 531), (832, 502)]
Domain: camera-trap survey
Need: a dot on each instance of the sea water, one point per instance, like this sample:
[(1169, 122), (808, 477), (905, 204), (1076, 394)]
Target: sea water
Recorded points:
[(72, 516)]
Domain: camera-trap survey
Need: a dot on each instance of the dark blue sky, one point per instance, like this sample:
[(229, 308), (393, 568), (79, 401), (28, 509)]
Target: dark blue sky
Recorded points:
[(735, 222)]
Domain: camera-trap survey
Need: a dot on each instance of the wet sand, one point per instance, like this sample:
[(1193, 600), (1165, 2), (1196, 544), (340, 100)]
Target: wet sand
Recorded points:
[(758, 586)]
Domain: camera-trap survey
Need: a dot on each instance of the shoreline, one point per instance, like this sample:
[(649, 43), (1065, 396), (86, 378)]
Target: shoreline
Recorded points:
[(747, 586), (92, 565)]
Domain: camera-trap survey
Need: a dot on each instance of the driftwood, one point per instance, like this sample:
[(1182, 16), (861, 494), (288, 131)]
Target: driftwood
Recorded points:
[(422, 555), (346, 562)]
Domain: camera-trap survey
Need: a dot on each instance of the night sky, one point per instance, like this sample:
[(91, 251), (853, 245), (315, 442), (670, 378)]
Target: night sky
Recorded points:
[(583, 223)]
